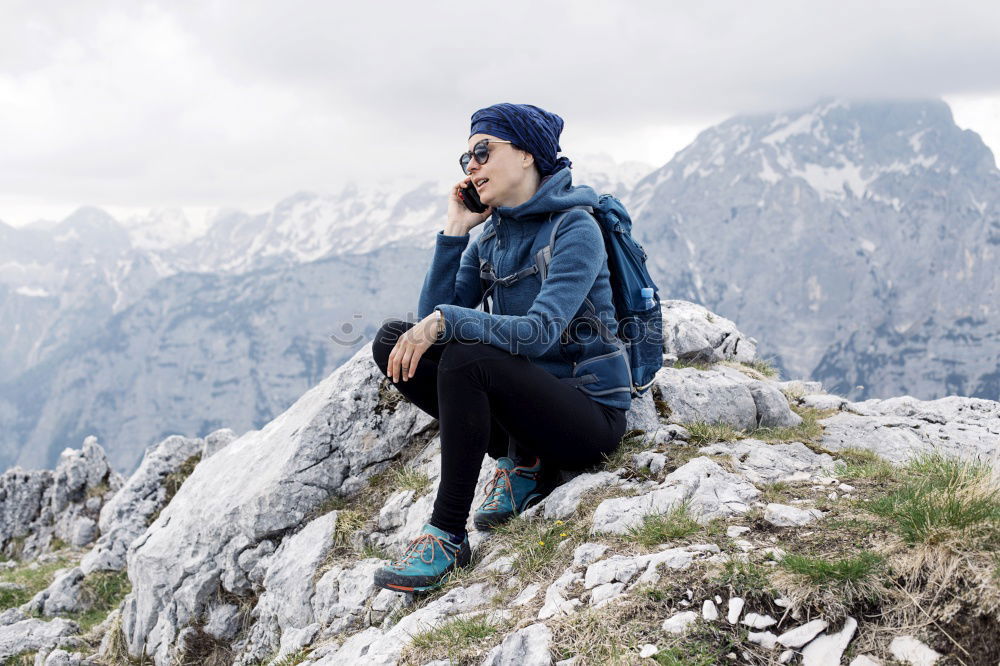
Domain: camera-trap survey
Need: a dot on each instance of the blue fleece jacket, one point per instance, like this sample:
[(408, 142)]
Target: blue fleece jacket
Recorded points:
[(529, 315)]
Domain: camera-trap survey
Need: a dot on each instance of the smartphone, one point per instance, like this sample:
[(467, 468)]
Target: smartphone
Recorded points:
[(471, 199)]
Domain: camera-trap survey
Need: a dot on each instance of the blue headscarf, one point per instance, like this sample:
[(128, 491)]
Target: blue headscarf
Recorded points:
[(527, 127)]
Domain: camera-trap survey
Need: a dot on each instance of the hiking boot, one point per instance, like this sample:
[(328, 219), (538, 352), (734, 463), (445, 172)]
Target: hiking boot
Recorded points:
[(510, 491), (429, 560)]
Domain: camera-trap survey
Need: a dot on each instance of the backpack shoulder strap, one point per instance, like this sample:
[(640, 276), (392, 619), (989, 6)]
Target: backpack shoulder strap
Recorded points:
[(544, 256)]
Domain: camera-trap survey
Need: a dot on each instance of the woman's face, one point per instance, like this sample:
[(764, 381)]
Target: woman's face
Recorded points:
[(503, 174)]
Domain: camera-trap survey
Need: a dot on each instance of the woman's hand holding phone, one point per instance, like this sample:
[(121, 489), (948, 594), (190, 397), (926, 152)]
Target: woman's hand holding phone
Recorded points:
[(460, 218)]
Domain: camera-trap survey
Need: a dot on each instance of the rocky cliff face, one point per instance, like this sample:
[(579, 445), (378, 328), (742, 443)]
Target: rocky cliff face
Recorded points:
[(701, 539)]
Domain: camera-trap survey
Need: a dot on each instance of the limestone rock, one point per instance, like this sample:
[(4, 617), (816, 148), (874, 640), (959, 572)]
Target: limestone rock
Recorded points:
[(285, 606), (254, 491), (909, 650), (782, 515), (865, 660), (642, 414), (772, 406), (33, 635), (758, 621), (735, 608), (828, 648), (822, 401), (62, 595), (564, 500), (216, 441), (761, 462), (39, 506), (709, 490), (558, 601), (706, 395), (691, 332), (679, 622), (125, 517), (799, 636), (899, 429), (377, 648), (527, 647)]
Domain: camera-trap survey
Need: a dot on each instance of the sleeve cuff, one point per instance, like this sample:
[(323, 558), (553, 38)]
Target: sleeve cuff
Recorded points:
[(444, 239)]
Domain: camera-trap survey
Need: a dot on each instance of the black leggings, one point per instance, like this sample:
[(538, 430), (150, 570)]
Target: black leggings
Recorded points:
[(489, 401)]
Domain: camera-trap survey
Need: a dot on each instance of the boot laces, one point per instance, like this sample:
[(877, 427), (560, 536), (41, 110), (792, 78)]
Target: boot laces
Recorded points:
[(419, 549), (495, 488)]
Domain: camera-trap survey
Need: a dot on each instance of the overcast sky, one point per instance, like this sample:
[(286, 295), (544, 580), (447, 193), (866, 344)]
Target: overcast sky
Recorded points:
[(135, 105)]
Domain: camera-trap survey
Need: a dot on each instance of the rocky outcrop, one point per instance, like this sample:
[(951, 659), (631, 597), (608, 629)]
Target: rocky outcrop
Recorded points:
[(219, 533), (127, 515), (41, 508), (900, 428), (269, 547)]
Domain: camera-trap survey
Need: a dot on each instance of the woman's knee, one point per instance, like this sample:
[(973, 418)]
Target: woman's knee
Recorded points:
[(385, 340)]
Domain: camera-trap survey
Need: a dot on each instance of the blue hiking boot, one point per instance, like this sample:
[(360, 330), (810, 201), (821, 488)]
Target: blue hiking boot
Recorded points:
[(429, 560), (511, 490)]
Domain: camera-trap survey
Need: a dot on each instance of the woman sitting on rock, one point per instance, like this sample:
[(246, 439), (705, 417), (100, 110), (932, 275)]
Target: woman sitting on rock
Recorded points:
[(521, 383)]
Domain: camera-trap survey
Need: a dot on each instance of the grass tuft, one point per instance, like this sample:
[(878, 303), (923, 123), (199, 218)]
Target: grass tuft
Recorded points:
[(677, 523), (945, 502), (410, 479), (31, 578), (458, 640), (100, 593), (708, 433), (863, 464)]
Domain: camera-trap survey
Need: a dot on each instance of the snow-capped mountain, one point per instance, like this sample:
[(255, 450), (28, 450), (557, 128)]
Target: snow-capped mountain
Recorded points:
[(858, 240), (841, 219)]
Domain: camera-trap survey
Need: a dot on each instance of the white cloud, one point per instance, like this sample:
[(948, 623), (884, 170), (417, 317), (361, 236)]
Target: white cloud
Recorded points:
[(225, 103)]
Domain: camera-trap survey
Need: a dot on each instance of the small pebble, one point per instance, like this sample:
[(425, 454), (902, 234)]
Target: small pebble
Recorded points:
[(648, 650)]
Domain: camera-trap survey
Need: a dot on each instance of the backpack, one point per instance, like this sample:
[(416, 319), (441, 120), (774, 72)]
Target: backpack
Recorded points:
[(634, 294)]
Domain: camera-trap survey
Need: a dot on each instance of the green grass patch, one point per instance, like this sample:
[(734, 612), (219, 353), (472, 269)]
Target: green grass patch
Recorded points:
[(692, 363), (809, 432), (293, 659), (823, 572), (708, 433), (32, 578), (533, 542), (101, 592), (410, 479), (457, 640), (632, 442), (746, 579), (763, 366), (863, 464), (944, 501), (22, 659), (677, 523), (777, 491), (173, 482)]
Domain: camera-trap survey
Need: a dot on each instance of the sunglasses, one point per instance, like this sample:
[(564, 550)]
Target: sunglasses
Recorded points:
[(480, 151)]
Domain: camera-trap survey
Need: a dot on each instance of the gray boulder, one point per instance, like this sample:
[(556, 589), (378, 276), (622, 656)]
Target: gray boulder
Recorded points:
[(34, 635), (772, 406), (706, 395), (692, 332), (761, 462), (252, 493), (899, 429), (39, 506), (527, 647), (285, 606), (709, 490), (127, 515)]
